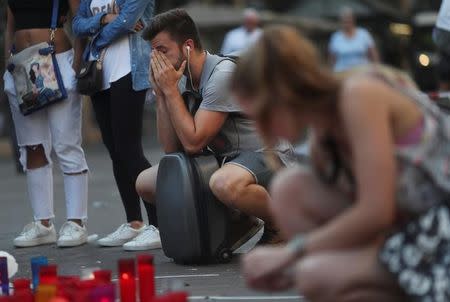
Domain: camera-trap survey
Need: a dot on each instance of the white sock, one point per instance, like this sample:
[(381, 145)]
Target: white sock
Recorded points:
[(40, 192), (76, 191)]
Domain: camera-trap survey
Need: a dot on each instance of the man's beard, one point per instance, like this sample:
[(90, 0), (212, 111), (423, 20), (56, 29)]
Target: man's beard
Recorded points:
[(180, 60)]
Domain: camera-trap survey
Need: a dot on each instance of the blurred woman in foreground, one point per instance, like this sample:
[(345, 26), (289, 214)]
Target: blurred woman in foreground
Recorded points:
[(368, 220)]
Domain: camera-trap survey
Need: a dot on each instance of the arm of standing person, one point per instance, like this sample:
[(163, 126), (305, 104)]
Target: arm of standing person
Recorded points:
[(79, 43), (83, 23), (195, 132), (9, 34), (125, 22), (367, 124)]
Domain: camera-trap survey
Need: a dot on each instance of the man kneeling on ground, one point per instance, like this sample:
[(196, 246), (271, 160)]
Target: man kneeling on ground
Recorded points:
[(218, 123)]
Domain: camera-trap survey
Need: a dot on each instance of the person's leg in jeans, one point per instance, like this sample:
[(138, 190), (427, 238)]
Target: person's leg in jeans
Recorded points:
[(65, 128), (33, 138)]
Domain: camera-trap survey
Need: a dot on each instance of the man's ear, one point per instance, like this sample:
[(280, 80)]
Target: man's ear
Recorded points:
[(188, 46)]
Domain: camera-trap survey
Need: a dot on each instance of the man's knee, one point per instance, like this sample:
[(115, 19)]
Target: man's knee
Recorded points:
[(146, 184), (227, 187)]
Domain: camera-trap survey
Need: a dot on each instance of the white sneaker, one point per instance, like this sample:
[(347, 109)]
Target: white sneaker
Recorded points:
[(72, 234), (120, 236), (147, 240), (34, 234)]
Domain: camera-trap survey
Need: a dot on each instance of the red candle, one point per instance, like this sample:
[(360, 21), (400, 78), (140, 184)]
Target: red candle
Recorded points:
[(21, 284), (23, 296), (127, 281), (102, 276), (48, 274), (59, 299), (146, 272), (67, 286), (83, 291), (22, 290), (173, 297)]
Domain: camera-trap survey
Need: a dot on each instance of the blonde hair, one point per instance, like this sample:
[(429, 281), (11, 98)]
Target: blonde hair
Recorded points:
[(283, 68)]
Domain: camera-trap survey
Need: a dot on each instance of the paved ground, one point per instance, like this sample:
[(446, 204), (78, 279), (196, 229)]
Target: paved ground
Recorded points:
[(212, 283)]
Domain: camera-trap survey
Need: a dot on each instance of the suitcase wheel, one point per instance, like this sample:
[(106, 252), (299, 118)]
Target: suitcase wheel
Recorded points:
[(225, 255)]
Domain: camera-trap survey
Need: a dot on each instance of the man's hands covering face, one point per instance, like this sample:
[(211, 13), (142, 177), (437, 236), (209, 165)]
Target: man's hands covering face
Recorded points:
[(165, 76)]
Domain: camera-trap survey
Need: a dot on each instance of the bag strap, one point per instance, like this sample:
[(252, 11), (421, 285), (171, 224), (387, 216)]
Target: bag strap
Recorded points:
[(54, 22)]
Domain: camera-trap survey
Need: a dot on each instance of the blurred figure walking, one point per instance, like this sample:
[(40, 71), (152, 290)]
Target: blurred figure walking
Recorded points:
[(351, 46), (244, 36)]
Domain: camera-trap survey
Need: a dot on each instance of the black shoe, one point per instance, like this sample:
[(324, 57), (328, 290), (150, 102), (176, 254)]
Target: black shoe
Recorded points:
[(243, 228), (271, 236)]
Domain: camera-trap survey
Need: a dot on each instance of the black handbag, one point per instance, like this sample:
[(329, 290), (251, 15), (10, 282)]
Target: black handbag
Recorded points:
[(90, 77)]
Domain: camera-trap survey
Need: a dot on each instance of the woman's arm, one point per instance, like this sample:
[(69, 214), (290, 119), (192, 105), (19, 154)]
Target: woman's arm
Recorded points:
[(9, 33), (367, 125), (126, 20), (80, 42), (83, 24)]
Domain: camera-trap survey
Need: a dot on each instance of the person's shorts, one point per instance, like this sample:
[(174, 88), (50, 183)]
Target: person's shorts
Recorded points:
[(253, 162)]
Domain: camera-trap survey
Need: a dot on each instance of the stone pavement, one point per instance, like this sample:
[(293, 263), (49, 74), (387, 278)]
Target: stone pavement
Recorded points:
[(204, 283)]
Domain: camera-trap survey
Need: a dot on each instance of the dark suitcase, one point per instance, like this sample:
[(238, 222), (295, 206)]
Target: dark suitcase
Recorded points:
[(194, 226)]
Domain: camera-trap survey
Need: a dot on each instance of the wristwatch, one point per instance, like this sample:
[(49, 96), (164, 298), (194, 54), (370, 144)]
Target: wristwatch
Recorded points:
[(297, 245)]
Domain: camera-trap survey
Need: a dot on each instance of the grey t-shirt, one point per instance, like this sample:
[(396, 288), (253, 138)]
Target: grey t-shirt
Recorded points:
[(238, 132)]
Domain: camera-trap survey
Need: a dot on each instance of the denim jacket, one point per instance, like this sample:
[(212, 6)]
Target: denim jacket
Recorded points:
[(84, 24)]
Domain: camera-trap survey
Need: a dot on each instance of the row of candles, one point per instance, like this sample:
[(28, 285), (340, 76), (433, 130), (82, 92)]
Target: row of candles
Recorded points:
[(46, 286)]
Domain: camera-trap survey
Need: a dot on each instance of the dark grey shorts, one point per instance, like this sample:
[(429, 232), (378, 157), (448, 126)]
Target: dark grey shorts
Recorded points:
[(253, 162)]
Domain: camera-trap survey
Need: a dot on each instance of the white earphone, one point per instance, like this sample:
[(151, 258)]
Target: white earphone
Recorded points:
[(188, 48)]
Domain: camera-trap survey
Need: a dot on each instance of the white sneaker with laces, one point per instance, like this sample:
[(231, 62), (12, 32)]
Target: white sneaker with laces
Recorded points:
[(72, 234), (34, 234), (147, 240), (122, 235)]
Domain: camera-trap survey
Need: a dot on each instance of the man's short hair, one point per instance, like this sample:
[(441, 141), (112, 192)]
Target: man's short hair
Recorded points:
[(177, 23)]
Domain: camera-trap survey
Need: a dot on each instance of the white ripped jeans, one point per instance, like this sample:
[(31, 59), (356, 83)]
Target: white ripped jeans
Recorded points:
[(57, 128)]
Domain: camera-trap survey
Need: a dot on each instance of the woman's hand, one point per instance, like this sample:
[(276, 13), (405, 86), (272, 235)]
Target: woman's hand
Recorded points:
[(116, 10), (265, 268), (139, 26), (108, 18)]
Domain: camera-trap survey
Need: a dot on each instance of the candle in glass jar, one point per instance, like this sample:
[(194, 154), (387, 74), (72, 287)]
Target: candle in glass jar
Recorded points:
[(103, 293), (146, 274), (48, 274), (127, 282), (102, 276)]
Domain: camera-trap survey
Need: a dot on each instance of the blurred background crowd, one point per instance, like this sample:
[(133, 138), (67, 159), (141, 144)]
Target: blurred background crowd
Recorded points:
[(401, 31)]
